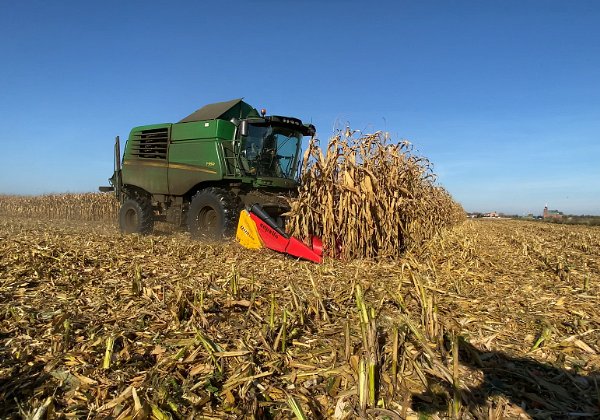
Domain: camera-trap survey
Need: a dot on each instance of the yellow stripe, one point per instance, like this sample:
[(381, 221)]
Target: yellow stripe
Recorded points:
[(146, 163), (190, 168), (170, 166)]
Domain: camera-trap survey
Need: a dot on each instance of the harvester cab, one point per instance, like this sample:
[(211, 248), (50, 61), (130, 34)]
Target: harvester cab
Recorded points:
[(203, 170), (270, 147)]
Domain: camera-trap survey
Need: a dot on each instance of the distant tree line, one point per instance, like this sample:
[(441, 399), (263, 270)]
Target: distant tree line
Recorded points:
[(577, 220), (585, 219)]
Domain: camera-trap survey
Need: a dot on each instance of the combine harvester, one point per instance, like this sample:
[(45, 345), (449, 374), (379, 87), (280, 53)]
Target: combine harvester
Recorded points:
[(223, 160)]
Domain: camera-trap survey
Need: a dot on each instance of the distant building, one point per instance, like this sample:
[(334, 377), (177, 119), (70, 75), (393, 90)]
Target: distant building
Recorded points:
[(552, 214), (491, 214)]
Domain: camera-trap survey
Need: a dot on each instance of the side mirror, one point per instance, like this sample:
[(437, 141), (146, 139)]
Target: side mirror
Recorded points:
[(309, 130), (244, 128)]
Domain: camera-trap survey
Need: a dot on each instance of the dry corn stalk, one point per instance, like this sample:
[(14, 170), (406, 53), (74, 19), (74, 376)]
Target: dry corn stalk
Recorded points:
[(367, 197)]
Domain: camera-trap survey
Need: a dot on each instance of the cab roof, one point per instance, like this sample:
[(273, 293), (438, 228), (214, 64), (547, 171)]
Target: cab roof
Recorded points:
[(235, 108)]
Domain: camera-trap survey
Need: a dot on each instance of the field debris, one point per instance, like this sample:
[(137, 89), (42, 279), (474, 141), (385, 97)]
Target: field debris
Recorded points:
[(97, 324)]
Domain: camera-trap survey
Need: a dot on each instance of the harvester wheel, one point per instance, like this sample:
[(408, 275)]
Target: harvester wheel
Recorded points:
[(213, 214), (136, 216)]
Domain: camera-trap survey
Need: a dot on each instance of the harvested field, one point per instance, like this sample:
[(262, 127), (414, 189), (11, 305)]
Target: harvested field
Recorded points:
[(492, 319)]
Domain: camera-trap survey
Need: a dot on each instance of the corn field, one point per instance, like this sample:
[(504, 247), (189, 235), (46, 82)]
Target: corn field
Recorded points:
[(367, 197), (444, 318), (88, 207)]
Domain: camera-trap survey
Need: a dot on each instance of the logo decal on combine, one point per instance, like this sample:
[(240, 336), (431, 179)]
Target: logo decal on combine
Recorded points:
[(247, 234), (270, 231)]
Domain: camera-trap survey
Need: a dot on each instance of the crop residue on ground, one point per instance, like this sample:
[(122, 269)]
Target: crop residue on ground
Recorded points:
[(492, 319)]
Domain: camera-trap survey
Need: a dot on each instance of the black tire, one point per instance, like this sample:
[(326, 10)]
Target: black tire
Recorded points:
[(136, 216), (213, 214)]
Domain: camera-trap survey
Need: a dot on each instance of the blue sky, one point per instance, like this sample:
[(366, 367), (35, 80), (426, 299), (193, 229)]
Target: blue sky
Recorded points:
[(502, 96)]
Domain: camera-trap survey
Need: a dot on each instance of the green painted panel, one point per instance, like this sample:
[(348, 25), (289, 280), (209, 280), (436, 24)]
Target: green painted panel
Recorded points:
[(151, 175), (143, 168), (202, 130), (192, 162), (195, 153)]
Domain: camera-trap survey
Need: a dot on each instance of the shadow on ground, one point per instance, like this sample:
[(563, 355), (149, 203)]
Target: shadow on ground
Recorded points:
[(540, 390)]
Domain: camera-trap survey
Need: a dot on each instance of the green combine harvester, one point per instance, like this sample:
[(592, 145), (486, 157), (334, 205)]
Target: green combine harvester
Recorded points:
[(203, 170)]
